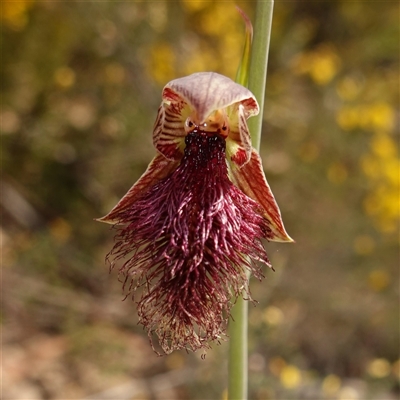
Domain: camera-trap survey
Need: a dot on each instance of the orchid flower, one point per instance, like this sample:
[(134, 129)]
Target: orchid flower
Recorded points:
[(192, 226)]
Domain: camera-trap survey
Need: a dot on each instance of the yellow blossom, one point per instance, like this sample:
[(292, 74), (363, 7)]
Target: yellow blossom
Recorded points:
[(290, 377), (15, 13), (321, 64), (382, 116), (194, 5), (383, 145), (218, 19)]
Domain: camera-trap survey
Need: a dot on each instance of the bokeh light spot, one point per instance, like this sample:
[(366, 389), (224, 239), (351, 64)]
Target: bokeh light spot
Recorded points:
[(378, 280), (382, 116), (348, 88), (383, 145), (331, 384), (194, 5), (290, 377), (347, 118), (273, 316), (379, 368), (348, 393), (64, 77), (276, 365), (321, 64)]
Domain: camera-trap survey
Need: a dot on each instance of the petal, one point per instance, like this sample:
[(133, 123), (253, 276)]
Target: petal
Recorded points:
[(238, 143), (206, 92), (251, 180), (158, 169), (169, 132), (198, 96)]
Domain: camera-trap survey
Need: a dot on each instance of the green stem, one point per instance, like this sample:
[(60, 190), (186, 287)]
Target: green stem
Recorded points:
[(258, 64), (237, 369), (238, 350)]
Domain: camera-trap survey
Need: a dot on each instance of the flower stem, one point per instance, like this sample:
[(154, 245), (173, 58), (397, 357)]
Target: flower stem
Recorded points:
[(237, 370), (258, 64), (238, 351)]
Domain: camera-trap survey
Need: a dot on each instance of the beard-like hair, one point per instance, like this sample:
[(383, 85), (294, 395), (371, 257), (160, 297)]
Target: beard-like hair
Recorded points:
[(190, 241)]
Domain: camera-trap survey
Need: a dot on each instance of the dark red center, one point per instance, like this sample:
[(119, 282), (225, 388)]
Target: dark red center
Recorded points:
[(204, 150)]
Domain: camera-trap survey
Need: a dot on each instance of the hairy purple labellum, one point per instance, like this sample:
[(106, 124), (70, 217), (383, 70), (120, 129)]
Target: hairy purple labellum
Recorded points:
[(192, 225)]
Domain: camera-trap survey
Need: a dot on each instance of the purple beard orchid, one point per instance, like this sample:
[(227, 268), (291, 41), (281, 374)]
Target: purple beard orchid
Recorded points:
[(191, 227)]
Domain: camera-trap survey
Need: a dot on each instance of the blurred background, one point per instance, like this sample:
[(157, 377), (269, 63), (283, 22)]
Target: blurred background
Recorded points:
[(81, 83)]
